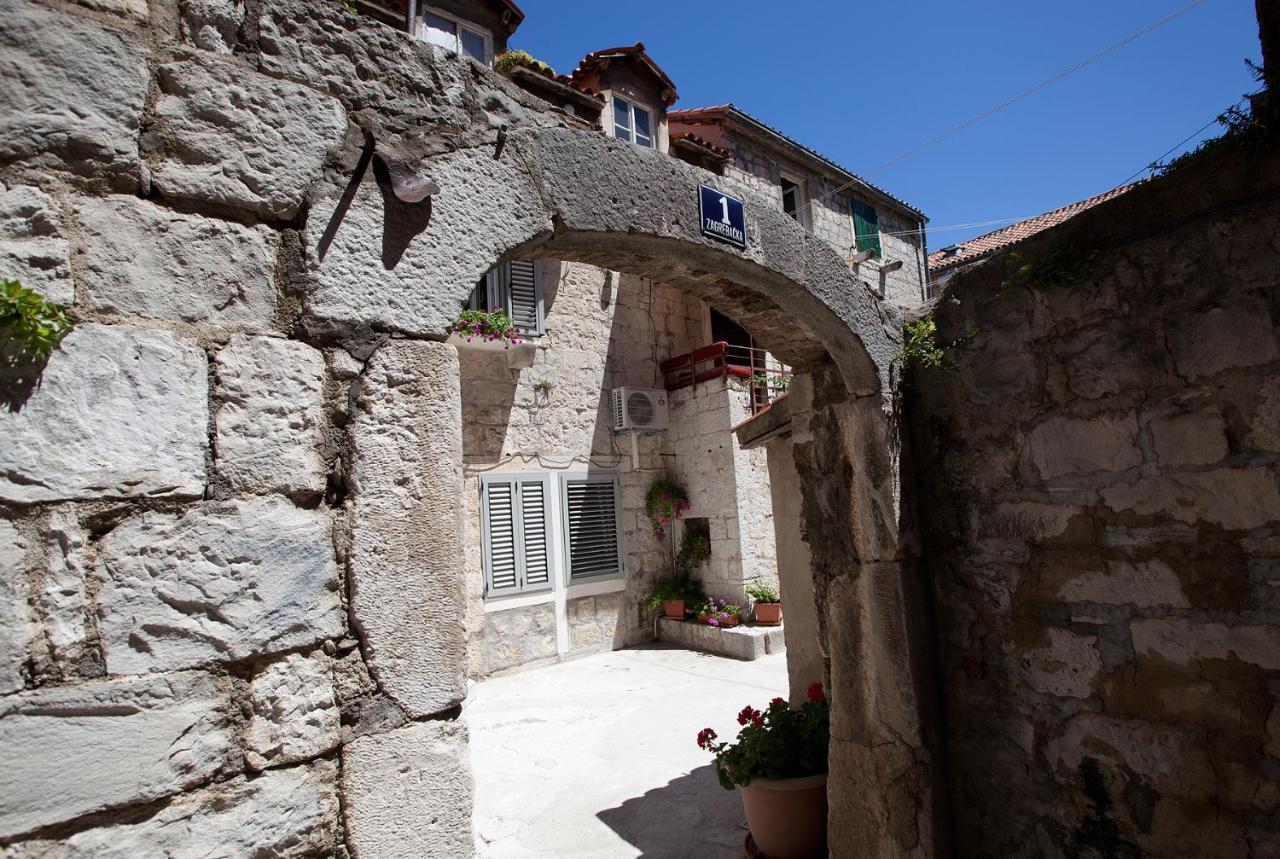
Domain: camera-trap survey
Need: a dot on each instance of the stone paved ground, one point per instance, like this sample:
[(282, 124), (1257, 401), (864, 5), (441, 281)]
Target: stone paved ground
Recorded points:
[(597, 757)]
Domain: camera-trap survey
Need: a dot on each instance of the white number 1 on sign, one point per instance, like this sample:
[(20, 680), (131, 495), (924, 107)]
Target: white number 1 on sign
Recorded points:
[(724, 208)]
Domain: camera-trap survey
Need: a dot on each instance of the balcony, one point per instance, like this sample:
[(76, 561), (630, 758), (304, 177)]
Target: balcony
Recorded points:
[(766, 375)]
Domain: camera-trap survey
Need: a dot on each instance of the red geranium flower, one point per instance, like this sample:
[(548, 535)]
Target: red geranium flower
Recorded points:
[(747, 715), (705, 738), (815, 692)]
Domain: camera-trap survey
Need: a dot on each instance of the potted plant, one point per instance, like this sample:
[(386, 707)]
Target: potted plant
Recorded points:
[(673, 593), (779, 759), (665, 502), (768, 605), (719, 612), (485, 329)]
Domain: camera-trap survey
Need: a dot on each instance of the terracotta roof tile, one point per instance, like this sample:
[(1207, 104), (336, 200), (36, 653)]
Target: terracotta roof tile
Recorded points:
[(597, 60), (702, 143), (976, 248)]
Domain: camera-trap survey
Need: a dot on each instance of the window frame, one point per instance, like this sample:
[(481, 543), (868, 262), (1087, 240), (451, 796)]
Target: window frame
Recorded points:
[(459, 24), (633, 106), (802, 194), (522, 588), (614, 478), (498, 295)]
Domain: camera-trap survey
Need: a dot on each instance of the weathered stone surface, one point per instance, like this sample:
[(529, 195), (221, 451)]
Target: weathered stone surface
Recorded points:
[(1273, 732), (212, 24), (224, 582), (133, 10), (408, 792), (232, 138), (1194, 439), (141, 259), (1182, 640), (1168, 759), (16, 633), (63, 596), (1067, 667), (50, 61), (282, 814), (120, 412), (68, 751), (1265, 424), (1147, 583), (294, 716), (1224, 337), (407, 594), (32, 247), (1061, 446), (269, 427), (518, 636), (1235, 498)]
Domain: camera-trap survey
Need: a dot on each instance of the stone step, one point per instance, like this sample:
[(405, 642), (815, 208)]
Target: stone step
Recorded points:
[(739, 642)]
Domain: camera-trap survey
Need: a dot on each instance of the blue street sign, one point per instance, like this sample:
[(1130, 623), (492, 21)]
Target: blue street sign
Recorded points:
[(722, 216)]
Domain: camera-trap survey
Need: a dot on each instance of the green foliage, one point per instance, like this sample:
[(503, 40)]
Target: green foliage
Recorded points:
[(774, 381), (695, 550), (1245, 130), (1067, 267), (349, 5), (680, 586), (30, 322), (665, 502), (920, 348), (763, 592), (489, 325), (508, 60), (718, 611), (775, 743)]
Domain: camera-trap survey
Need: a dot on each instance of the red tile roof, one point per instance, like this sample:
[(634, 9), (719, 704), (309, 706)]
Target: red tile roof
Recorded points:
[(596, 61), (699, 142), (976, 248)]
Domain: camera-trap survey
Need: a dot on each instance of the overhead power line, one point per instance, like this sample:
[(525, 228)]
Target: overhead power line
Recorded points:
[(1155, 162), (1008, 102)]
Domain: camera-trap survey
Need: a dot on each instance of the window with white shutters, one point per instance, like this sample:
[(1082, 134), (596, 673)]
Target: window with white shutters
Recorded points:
[(591, 507), (515, 523), (515, 288)]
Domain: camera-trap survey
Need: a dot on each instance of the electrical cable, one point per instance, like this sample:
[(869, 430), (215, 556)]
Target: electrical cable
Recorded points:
[(1153, 164)]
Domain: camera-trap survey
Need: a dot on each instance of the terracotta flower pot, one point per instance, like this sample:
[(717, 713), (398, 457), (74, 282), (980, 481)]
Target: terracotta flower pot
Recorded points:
[(788, 817), (768, 613), (703, 618), (673, 608), (729, 622)]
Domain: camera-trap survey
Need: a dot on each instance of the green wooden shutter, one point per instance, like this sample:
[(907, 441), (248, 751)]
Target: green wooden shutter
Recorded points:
[(866, 227)]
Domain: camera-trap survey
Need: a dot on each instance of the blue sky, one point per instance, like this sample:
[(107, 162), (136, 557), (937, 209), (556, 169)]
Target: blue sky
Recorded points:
[(863, 82)]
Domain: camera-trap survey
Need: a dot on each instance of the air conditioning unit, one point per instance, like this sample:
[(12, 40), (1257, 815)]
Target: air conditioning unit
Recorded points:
[(640, 409)]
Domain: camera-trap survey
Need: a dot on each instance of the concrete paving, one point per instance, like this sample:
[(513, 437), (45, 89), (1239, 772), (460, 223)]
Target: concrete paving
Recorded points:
[(598, 757)]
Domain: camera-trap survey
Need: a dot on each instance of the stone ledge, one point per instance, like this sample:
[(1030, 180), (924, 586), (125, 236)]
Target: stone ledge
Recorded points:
[(739, 642)]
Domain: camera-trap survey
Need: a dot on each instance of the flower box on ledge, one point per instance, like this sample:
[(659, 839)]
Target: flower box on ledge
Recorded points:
[(519, 356)]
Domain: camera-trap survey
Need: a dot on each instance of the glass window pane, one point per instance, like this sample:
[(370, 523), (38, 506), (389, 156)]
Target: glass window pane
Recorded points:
[(441, 31), (473, 45), (621, 119), (643, 135)]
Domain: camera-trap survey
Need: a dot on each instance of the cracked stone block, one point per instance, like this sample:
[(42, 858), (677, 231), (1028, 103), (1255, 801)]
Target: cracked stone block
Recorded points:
[(16, 631), (221, 583), (408, 792), (269, 425), (233, 138), (120, 413), (32, 247), (295, 717), (283, 814), (144, 260), (63, 596), (407, 589), (49, 60), (72, 750)]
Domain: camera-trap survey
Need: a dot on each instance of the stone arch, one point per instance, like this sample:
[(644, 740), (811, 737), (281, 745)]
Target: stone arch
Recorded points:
[(574, 195)]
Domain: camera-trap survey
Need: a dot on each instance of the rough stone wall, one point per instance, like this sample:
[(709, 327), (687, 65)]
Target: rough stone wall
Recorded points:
[(1098, 475)]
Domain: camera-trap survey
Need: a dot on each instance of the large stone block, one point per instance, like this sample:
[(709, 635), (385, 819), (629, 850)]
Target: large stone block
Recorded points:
[(269, 427), (1170, 760), (50, 61), (212, 24), (64, 596), (295, 717), (32, 247), (1182, 640), (282, 814), (1208, 343), (222, 583), (1145, 583), (408, 595), (1061, 446), (119, 413), (1198, 438), (16, 631), (141, 259), (1067, 667), (231, 137), (1234, 498), (408, 793), (72, 750)]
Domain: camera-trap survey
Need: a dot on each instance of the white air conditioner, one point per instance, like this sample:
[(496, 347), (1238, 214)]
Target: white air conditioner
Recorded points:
[(640, 409)]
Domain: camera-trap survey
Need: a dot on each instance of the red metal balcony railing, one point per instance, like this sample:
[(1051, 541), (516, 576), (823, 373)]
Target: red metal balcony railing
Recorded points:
[(767, 376)]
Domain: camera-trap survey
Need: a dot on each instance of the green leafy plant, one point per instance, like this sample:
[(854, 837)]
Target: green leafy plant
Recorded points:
[(775, 381), (665, 502), (488, 325), (30, 323), (695, 550), (510, 59), (1067, 268), (763, 592), (718, 612), (679, 586), (920, 344), (775, 743)]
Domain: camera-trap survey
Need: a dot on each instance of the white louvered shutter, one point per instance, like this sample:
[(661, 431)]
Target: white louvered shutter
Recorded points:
[(591, 526), (524, 298), (515, 530)]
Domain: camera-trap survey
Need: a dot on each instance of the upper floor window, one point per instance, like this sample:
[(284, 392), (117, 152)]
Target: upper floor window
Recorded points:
[(458, 36), (632, 123), (866, 228), (794, 201), (515, 288)]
